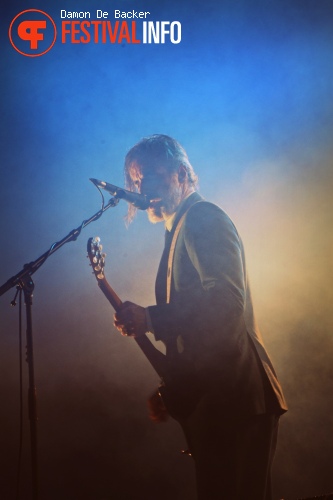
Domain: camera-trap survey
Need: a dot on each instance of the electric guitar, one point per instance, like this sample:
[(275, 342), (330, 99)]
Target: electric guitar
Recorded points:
[(178, 396)]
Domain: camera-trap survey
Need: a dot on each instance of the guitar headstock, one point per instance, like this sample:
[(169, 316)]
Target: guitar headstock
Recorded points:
[(96, 257)]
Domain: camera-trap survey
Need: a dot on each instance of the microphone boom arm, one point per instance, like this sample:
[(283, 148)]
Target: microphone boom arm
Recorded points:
[(32, 267)]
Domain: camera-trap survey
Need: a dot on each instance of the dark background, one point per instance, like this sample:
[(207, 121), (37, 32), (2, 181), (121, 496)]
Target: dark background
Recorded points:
[(248, 92)]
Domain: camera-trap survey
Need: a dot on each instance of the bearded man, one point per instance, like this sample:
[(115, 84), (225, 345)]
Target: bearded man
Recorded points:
[(228, 398)]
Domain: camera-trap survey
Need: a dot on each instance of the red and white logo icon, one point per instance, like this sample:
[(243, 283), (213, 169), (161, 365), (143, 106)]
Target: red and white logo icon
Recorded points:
[(32, 33)]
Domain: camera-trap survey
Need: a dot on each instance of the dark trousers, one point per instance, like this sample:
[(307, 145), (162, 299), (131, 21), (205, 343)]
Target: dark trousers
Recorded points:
[(233, 455)]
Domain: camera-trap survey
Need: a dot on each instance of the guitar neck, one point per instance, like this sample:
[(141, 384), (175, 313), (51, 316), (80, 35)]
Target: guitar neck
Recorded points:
[(110, 294), (154, 356)]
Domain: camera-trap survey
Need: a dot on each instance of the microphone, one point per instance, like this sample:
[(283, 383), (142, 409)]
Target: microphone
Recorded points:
[(140, 201)]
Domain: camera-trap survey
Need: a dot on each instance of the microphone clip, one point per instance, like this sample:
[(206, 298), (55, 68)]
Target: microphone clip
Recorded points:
[(139, 201)]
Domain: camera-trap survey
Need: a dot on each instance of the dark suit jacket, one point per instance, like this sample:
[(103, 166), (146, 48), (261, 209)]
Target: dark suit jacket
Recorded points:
[(209, 325)]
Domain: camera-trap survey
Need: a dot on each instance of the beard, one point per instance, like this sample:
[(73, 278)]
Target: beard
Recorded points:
[(161, 210), (154, 214)]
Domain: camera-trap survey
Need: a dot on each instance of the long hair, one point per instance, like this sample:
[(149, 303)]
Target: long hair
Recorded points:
[(155, 151)]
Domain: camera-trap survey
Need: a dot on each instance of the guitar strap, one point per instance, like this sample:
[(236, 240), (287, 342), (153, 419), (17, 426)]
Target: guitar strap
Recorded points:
[(172, 251), (179, 340), (171, 255)]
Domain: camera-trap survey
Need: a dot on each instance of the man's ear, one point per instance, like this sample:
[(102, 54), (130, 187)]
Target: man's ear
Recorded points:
[(182, 174)]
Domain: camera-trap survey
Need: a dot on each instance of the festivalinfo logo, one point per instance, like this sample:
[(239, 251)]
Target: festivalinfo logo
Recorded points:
[(33, 32)]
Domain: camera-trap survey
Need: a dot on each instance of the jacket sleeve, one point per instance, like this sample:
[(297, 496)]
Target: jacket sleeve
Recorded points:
[(215, 299)]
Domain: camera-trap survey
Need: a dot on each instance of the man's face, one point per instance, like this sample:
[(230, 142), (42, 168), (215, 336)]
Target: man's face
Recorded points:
[(161, 187)]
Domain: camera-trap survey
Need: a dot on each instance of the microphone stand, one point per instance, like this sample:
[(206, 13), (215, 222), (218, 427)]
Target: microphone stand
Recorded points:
[(23, 281)]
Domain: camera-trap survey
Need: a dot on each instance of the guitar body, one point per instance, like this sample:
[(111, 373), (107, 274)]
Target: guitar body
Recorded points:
[(179, 397)]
